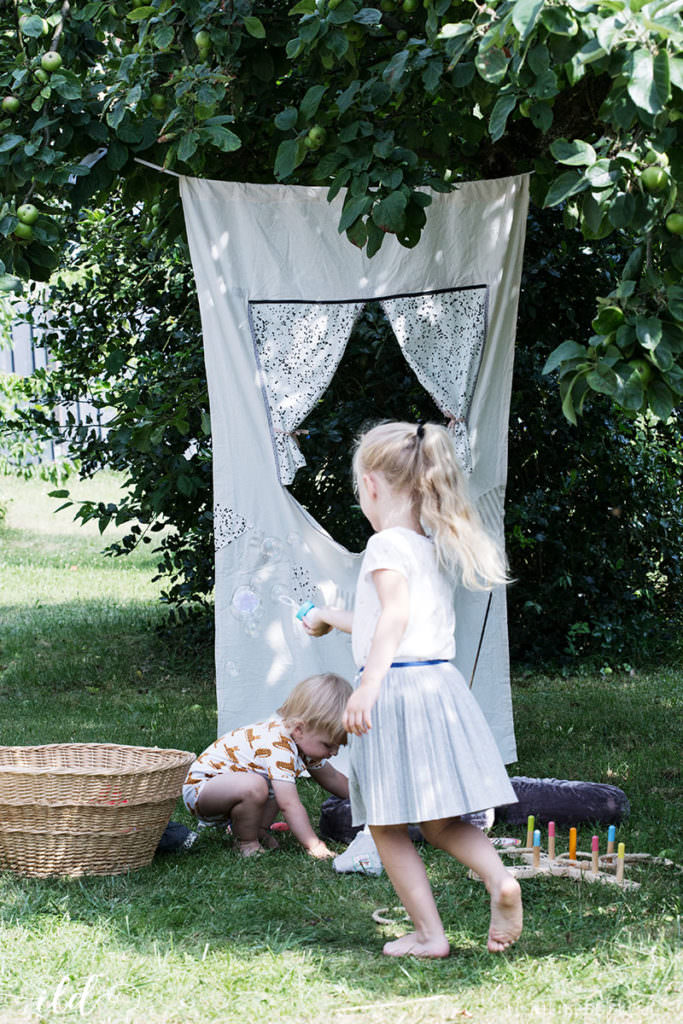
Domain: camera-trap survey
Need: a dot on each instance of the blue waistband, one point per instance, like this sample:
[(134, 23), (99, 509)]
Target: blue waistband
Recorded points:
[(410, 664)]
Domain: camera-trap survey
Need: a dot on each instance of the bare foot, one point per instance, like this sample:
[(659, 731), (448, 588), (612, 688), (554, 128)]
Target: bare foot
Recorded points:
[(506, 915), (412, 945), (250, 848), (268, 841)]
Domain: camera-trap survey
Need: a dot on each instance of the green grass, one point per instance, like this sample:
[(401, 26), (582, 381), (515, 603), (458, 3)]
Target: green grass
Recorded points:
[(209, 937)]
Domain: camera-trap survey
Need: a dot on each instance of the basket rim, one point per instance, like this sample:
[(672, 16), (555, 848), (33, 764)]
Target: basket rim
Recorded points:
[(176, 758)]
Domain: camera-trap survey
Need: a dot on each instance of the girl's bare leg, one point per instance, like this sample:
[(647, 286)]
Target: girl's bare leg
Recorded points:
[(471, 847), (409, 878), (240, 796)]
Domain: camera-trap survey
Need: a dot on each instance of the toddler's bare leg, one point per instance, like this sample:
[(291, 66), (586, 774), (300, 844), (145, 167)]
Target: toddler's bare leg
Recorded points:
[(409, 878), (472, 847), (266, 837), (240, 796)]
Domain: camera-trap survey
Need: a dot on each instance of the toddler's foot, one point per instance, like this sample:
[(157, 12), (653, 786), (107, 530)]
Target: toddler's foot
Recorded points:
[(412, 945), (268, 841), (506, 915), (250, 848)]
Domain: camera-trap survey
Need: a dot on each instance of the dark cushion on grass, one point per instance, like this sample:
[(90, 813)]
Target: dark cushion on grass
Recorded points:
[(564, 802)]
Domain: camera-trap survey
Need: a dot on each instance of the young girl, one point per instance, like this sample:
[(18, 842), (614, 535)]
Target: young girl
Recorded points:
[(421, 750), (250, 774)]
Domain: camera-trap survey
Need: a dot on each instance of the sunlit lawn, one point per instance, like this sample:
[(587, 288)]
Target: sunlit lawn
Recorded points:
[(209, 937)]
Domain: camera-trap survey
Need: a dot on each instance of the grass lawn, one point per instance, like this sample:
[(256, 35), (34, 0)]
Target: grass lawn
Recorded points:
[(210, 937)]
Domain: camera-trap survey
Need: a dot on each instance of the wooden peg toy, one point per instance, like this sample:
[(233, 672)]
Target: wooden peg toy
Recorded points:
[(537, 848), (572, 844), (611, 833), (530, 831), (620, 863), (551, 840), (595, 855)]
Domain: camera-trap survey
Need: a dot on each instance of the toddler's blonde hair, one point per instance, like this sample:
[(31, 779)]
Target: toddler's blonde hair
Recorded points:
[(319, 702), (423, 466)]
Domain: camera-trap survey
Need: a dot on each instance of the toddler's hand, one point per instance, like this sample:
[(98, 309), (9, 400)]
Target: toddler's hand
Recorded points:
[(314, 624), (319, 851)]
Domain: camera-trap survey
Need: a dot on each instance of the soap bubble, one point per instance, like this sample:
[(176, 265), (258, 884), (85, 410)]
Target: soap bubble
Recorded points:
[(280, 592), (272, 548), (245, 603)]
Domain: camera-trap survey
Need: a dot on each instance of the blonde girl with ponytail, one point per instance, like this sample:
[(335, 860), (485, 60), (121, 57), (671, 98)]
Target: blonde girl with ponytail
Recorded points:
[(421, 750)]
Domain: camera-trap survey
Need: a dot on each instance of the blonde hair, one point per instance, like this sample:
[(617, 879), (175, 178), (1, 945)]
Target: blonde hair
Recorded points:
[(319, 702), (419, 461)]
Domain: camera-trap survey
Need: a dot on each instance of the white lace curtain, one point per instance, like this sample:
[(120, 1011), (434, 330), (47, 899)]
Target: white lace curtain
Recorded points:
[(298, 347)]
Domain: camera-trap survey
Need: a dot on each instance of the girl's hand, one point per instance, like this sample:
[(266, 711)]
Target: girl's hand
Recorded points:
[(314, 624), (356, 718)]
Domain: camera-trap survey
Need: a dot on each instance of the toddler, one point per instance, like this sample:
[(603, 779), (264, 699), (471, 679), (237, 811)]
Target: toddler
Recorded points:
[(250, 774)]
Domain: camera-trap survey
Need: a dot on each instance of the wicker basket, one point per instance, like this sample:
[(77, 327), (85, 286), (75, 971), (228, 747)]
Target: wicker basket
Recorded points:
[(85, 808)]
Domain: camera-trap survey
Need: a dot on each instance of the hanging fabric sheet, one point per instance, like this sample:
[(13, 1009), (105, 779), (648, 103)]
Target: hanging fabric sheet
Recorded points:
[(279, 291)]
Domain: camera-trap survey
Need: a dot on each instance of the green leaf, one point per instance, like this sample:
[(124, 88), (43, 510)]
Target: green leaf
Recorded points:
[(661, 399), (568, 184), (575, 153), (311, 101), (622, 210), (221, 138), (67, 84), (303, 7), (187, 146), (32, 26), (140, 13), (502, 109), (524, 15), (395, 69), (559, 22), (290, 154), (647, 92), (564, 352), (649, 331), (541, 115), (634, 264), (674, 295), (9, 142), (389, 214), (454, 29), (603, 379), (353, 209), (254, 27), (287, 119)]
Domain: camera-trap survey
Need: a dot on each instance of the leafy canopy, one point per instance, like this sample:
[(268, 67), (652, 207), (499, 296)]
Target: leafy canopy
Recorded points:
[(380, 101)]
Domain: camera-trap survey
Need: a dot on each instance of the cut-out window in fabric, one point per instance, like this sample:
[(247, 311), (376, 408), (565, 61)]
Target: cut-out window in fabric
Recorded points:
[(228, 525), (298, 347), (442, 336)]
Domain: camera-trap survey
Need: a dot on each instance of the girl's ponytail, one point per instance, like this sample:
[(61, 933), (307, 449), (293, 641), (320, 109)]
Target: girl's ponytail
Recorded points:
[(420, 461)]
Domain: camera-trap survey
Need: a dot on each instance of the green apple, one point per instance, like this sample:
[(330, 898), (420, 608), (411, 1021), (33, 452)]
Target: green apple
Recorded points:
[(10, 104), (674, 223), (24, 232), (202, 40), (642, 369), (41, 76), (333, 4), (27, 213), (51, 61), (409, 6), (653, 179), (401, 35), (315, 137), (353, 32), (157, 101)]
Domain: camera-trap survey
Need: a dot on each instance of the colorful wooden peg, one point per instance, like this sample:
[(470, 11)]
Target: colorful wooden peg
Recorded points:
[(551, 840), (620, 862), (595, 853), (537, 848), (572, 844), (530, 831), (611, 833)]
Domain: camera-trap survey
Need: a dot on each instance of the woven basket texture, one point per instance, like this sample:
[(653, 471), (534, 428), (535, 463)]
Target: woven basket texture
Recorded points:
[(85, 808)]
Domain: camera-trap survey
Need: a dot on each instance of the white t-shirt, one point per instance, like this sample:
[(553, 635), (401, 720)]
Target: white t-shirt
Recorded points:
[(430, 632)]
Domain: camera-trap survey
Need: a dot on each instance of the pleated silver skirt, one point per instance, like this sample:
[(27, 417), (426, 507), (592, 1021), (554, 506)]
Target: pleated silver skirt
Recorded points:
[(429, 755)]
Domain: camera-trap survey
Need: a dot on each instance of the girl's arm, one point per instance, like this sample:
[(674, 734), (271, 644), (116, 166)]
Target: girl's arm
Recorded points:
[(394, 597), (296, 817), (319, 621), (332, 780)]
